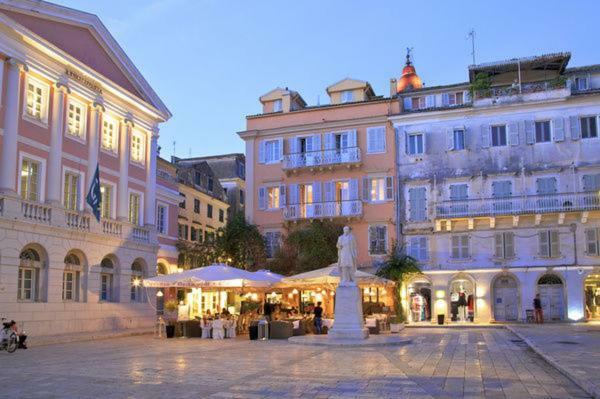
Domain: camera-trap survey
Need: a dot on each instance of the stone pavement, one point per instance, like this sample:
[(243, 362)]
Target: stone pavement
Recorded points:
[(574, 349), (439, 363)]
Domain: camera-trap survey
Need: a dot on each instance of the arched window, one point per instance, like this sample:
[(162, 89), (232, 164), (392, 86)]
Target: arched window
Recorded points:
[(28, 289), (161, 269), (137, 274), (107, 280), (550, 279), (107, 264), (71, 278)]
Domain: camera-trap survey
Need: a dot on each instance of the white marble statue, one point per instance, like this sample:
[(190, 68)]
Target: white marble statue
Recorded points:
[(347, 257)]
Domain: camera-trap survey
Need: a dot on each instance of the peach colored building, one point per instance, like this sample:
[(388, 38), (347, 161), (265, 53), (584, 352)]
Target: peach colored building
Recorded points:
[(71, 100), (332, 161)]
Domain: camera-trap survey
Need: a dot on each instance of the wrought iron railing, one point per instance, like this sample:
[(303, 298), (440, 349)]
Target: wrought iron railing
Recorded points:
[(328, 209), (321, 158), (526, 88), (518, 205)]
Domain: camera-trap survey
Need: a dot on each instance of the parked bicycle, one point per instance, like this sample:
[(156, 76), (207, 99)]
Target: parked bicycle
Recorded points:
[(9, 341)]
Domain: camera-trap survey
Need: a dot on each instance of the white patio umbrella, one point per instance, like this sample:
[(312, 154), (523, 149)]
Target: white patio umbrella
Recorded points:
[(216, 275), (329, 275)]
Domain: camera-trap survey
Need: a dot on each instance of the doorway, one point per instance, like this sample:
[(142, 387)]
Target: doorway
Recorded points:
[(506, 299), (462, 300), (592, 296), (551, 290), (419, 301)]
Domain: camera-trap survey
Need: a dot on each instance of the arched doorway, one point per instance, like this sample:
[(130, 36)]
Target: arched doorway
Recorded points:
[(506, 298), (551, 290), (419, 301), (462, 299), (592, 296)]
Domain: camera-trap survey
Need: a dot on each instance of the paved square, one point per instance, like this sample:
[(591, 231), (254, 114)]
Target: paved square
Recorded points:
[(440, 363)]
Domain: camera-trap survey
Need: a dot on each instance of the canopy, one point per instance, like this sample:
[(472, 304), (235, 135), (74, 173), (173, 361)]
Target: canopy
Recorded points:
[(330, 275), (216, 275)]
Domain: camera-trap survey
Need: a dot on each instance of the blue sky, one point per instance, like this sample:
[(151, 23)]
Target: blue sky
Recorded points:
[(210, 60)]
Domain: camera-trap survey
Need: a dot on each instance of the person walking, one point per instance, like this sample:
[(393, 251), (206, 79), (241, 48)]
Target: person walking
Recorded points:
[(318, 318), (538, 312)]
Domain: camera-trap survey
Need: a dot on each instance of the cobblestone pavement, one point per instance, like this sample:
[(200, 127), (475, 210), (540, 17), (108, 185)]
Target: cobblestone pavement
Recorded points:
[(575, 348), (439, 363)]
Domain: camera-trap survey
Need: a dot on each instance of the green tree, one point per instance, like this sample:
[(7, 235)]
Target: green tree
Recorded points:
[(241, 244), (399, 267), (481, 85)]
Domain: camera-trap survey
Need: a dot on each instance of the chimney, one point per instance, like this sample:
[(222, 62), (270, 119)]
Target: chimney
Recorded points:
[(393, 87), (286, 101)]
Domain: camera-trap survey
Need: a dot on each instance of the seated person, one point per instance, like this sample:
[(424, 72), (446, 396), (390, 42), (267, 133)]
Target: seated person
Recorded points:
[(22, 336)]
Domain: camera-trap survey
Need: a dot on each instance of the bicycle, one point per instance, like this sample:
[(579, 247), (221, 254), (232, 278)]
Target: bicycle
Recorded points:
[(9, 340)]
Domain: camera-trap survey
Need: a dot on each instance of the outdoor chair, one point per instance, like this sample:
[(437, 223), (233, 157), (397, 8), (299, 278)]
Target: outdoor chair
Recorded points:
[(281, 329)]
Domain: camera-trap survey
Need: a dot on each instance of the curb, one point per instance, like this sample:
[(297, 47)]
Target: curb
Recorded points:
[(583, 383), (52, 340)]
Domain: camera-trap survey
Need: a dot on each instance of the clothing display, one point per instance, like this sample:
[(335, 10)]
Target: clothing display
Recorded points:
[(420, 306)]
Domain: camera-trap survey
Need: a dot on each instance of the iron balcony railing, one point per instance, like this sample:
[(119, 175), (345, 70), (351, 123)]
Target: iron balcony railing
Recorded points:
[(329, 209), (526, 88), (321, 158), (518, 205)]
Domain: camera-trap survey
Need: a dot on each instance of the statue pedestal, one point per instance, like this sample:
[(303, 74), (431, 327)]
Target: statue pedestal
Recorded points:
[(348, 323)]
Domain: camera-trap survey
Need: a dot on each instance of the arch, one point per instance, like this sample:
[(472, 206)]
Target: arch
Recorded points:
[(32, 278), (506, 297), (138, 272), (161, 268), (109, 279), (551, 288), (75, 274), (462, 305)]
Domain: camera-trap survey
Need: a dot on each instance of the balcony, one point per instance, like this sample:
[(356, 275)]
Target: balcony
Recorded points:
[(322, 158), (17, 209), (521, 205), (536, 91), (323, 210)]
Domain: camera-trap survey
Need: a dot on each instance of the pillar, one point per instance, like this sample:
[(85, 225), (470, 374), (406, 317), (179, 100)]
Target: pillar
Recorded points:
[(95, 126), (123, 197), (8, 161), (150, 192), (55, 156)]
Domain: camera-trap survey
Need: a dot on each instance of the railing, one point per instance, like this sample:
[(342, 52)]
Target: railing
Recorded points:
[(140, 234), (36, 212), (321, 158), (528, 204), (526, 88), (112, 227), (77, 221), (318, 210)]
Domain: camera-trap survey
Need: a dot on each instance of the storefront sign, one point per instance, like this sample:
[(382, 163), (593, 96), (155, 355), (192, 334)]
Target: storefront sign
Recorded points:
[(90, 84)]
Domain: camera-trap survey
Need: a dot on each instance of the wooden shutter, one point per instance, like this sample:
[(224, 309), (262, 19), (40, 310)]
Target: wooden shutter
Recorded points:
[(261, 151), (464, 244), (558, 127), (575, 127), (353, 184), (499, 245), (554, 243), (486, 136), (513, 133), (450, 139), (389, 188), (366, 189), (530, 132), (544, 245), (279, 153), (509, 245), (316, 142), (445, 99), (294, 194), (262, 198), (351, 138), (316, 187), (282, 196), (591, 238), (455, 252), (430, 101), (293, 145), (329, 191), (329, 141), (417, 205), (423, 252)]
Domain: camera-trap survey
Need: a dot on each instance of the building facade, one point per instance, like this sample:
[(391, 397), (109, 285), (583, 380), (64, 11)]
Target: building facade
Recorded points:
[(333, 162), (71, 102), (202, 202), (499, 192), (230, 169), (167, 211)]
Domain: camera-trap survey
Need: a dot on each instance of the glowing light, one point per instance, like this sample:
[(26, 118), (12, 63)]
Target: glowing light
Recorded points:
[(136, 282), (575, 314), (366, 291), (295, 291), (159, 294), (290, 295), (181, 302), (332, 293), (319, 297), (254, 296), (179, 270), (440, 294), (480, 292), (384, 291)]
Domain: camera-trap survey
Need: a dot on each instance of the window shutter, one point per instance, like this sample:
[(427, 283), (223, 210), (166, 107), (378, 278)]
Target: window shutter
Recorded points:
[(450, 139), (417, 205), (544, 244), (279, 154), (467, 96), (499, 245), (530, 132), (316, 186), (294, 194), (513, 133), (352, 138), (485, 136), (353, 189), (575, 127), (554, 243), (406, 142), (558, 125), (261, 151), (407, 101), (587, 182), (465, 246), (371, 140), (282, 196), (329, 191), (412, 247), (366, 187), (430, 101), (372, 238), (425, 142), (316, 142), (329, 141), (509, 245), (423, 252), (455, 247), (591, 237), (389, 188), (293, 145), (445, 99), (262, 198)]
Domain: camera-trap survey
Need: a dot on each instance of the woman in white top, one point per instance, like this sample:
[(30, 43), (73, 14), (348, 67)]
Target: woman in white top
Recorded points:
[(217, 328), (205, 324)]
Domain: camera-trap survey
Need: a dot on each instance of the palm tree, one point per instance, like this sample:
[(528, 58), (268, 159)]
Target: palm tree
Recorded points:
[(399, 267)]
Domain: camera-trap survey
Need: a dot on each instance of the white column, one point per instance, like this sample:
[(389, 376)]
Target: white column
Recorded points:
[(8, 162), (94, 130), (124, 137), (150, 194), (55, 156), (249, 199)]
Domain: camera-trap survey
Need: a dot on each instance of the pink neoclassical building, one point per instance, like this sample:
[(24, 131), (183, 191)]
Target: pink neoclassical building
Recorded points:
[(71, 99)]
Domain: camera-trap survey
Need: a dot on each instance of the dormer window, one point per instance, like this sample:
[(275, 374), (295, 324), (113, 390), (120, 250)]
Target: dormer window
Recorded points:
[(277, 105), (347, 96), (581, 83)]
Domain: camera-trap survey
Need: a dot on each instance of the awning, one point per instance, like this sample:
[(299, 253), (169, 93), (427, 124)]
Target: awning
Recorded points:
[(329, 275)]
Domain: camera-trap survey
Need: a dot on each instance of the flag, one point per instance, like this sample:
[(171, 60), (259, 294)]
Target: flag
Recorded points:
[(94, 199)]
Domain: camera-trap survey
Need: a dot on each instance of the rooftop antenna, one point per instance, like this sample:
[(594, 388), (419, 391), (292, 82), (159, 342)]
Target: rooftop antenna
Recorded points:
[(190, 152), (471, 35), (174, 142), (318, 99)]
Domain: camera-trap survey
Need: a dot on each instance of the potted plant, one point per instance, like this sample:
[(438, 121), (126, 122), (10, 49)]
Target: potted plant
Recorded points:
[(395, 324), (171, 309)]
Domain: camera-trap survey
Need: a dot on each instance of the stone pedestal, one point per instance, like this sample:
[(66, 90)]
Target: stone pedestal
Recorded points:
[(348, 323)]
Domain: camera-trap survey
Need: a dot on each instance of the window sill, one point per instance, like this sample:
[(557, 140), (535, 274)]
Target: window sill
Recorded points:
[(108, 151), (460, 260), (39, 122), (376, 152), (378, 202), (139, 164), (377, 254), (79, 139)]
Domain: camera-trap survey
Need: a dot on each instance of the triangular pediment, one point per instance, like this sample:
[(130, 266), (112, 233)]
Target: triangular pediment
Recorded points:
[(348, 84)]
